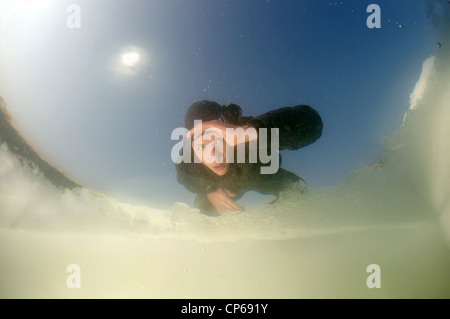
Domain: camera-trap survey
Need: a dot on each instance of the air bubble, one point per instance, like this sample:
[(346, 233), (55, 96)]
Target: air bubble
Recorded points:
[(439, 45), (401, 26)]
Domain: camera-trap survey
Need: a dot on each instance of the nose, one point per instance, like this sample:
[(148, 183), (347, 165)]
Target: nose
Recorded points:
[(214, 153), (213, 156)]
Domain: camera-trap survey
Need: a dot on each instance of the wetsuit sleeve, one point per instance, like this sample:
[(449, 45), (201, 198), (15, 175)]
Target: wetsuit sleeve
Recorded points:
[(188, 174), (298, 125)]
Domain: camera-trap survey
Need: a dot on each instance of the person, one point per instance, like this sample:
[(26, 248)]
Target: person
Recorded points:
[(219, 183)]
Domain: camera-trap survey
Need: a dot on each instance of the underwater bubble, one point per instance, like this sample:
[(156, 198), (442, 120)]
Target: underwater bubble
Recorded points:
[(401, 26), (439, 45)]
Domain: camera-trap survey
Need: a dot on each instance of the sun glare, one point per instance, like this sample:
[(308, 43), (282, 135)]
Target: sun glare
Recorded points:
[(130, 59)]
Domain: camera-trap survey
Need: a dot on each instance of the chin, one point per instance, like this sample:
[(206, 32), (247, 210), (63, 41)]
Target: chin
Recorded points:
[(221, 172)]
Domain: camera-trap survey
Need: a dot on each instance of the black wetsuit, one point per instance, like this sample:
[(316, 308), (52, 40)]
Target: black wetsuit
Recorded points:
[(298, 126)]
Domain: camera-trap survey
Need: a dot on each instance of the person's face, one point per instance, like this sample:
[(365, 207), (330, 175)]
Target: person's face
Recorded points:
[(212, 150)]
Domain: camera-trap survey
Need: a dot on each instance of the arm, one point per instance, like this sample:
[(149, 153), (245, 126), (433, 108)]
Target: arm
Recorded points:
[(240, 136), (298, 125), (196, 178), (220, 198)]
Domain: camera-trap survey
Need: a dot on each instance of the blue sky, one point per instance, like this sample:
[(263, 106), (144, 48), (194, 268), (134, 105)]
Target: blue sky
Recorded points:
[(111, 131)]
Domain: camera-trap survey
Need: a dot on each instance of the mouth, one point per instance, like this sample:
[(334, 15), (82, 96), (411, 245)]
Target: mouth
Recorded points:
[(219, 167)]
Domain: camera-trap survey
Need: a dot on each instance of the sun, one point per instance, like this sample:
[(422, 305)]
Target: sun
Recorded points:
[(130, 58), (129, 61)]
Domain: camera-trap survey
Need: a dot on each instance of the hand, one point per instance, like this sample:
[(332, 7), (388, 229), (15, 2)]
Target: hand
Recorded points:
[(222, 200), (221, 128)]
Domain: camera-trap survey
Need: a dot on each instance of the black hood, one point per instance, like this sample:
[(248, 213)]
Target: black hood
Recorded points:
[(209, 110)]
